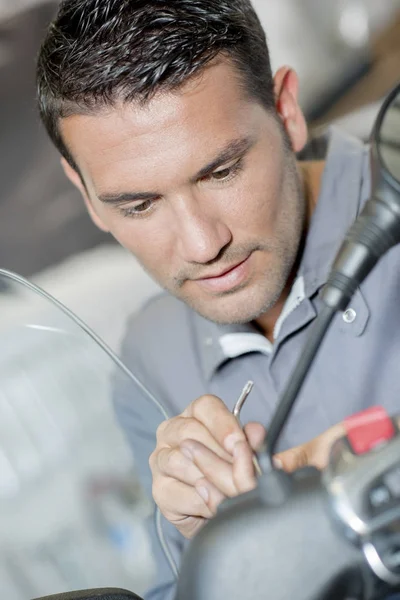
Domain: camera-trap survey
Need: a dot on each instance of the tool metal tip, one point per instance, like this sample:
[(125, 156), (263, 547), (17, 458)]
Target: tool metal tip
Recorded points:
[(248, 387)]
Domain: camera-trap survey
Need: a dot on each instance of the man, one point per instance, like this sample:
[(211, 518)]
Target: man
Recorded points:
[(184, 148)]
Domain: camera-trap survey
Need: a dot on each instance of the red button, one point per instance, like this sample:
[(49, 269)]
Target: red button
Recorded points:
[(368, 429)]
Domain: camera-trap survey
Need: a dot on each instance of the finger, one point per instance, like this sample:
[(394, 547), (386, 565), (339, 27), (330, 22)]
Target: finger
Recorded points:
[(218, 420), (210, 494), (255, 434), (178, 500), (171, 462), (292, 459), (318, 449), (174, 432), (315, 452), (216, 470), (189, 526), (243, 469)]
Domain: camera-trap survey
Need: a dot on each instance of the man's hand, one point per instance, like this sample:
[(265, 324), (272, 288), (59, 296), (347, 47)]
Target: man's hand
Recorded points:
[(202, 457), (314, 453)]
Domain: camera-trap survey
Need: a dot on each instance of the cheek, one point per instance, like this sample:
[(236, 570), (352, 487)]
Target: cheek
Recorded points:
[(147, 241), (261, 193)]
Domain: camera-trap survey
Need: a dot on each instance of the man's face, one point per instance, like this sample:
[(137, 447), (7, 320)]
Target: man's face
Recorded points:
[(200, 186)]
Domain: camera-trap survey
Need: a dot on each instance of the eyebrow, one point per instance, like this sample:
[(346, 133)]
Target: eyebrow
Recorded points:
[(126, 197), (235, 149)]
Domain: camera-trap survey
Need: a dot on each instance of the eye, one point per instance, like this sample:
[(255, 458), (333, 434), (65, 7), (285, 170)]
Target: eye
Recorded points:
[(223, 174), (143, 206), (227, 173), (138, 209)]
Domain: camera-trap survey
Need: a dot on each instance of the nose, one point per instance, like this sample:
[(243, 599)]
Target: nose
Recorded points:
[(201, 233)]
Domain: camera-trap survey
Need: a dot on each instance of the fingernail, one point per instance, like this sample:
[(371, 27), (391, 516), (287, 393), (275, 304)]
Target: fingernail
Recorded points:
[(187, 452), (231, 440), (277, 463), (203, 492)]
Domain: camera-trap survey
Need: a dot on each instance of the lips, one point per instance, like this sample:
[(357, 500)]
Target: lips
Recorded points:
[(225, 272), (227, 280)]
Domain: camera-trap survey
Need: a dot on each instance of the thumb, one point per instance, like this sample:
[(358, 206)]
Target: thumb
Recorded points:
[(255, 434), (315, 452), (292, 459)]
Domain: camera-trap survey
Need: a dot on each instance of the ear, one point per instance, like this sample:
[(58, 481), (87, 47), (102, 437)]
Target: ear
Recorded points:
[(76, 180), (286, 95)]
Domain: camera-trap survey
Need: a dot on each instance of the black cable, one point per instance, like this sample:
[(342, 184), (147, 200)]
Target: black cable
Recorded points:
[(297, 379)]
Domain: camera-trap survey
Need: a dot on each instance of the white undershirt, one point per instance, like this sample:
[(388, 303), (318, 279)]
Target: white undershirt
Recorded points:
[(236, 344)]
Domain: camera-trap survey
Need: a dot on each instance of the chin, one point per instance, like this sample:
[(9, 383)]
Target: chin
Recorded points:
[(232, 310), (239, 306)]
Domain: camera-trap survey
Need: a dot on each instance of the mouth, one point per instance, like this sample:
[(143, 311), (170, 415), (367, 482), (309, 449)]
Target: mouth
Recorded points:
[(227, 280)]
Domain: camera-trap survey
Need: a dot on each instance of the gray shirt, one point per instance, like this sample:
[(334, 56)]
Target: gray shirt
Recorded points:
[(179, 355)]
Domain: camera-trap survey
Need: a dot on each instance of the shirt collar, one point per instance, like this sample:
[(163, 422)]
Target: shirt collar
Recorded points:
[(345, 182)]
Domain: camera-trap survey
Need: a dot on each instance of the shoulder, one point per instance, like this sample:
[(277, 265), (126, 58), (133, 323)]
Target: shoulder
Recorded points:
[(157, 319), (158, 332), (161, 348)]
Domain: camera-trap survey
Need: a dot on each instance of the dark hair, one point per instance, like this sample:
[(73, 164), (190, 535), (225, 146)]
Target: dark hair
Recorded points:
[(98, 52)]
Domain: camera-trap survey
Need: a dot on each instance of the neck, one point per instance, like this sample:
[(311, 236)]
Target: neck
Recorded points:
[(311, 175)]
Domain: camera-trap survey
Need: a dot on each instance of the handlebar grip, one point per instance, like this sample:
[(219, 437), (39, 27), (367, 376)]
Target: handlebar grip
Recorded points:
[(96, 594)]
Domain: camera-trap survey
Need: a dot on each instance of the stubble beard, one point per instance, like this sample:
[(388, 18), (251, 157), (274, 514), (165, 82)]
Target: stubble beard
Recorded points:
[(253, 300)]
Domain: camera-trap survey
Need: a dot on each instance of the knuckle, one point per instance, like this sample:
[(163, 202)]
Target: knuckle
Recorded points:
[(204, 404), (176, 430), (298, 458), (153, 460), (171, 462), (303, 456), (188, 428), (160, 492), (167, 429), (161, 430)]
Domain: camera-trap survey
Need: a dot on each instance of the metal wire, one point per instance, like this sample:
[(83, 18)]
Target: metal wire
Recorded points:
[(236, 413)]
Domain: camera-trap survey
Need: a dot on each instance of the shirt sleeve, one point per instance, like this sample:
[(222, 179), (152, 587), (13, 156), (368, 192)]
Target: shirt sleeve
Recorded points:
[(139, 419)]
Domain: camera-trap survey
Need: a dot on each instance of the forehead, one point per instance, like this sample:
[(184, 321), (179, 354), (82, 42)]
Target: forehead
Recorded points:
[(182, 128)]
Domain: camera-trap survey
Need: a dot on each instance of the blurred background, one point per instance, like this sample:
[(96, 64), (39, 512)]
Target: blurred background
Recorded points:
[(71, 511), (346, 54)]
